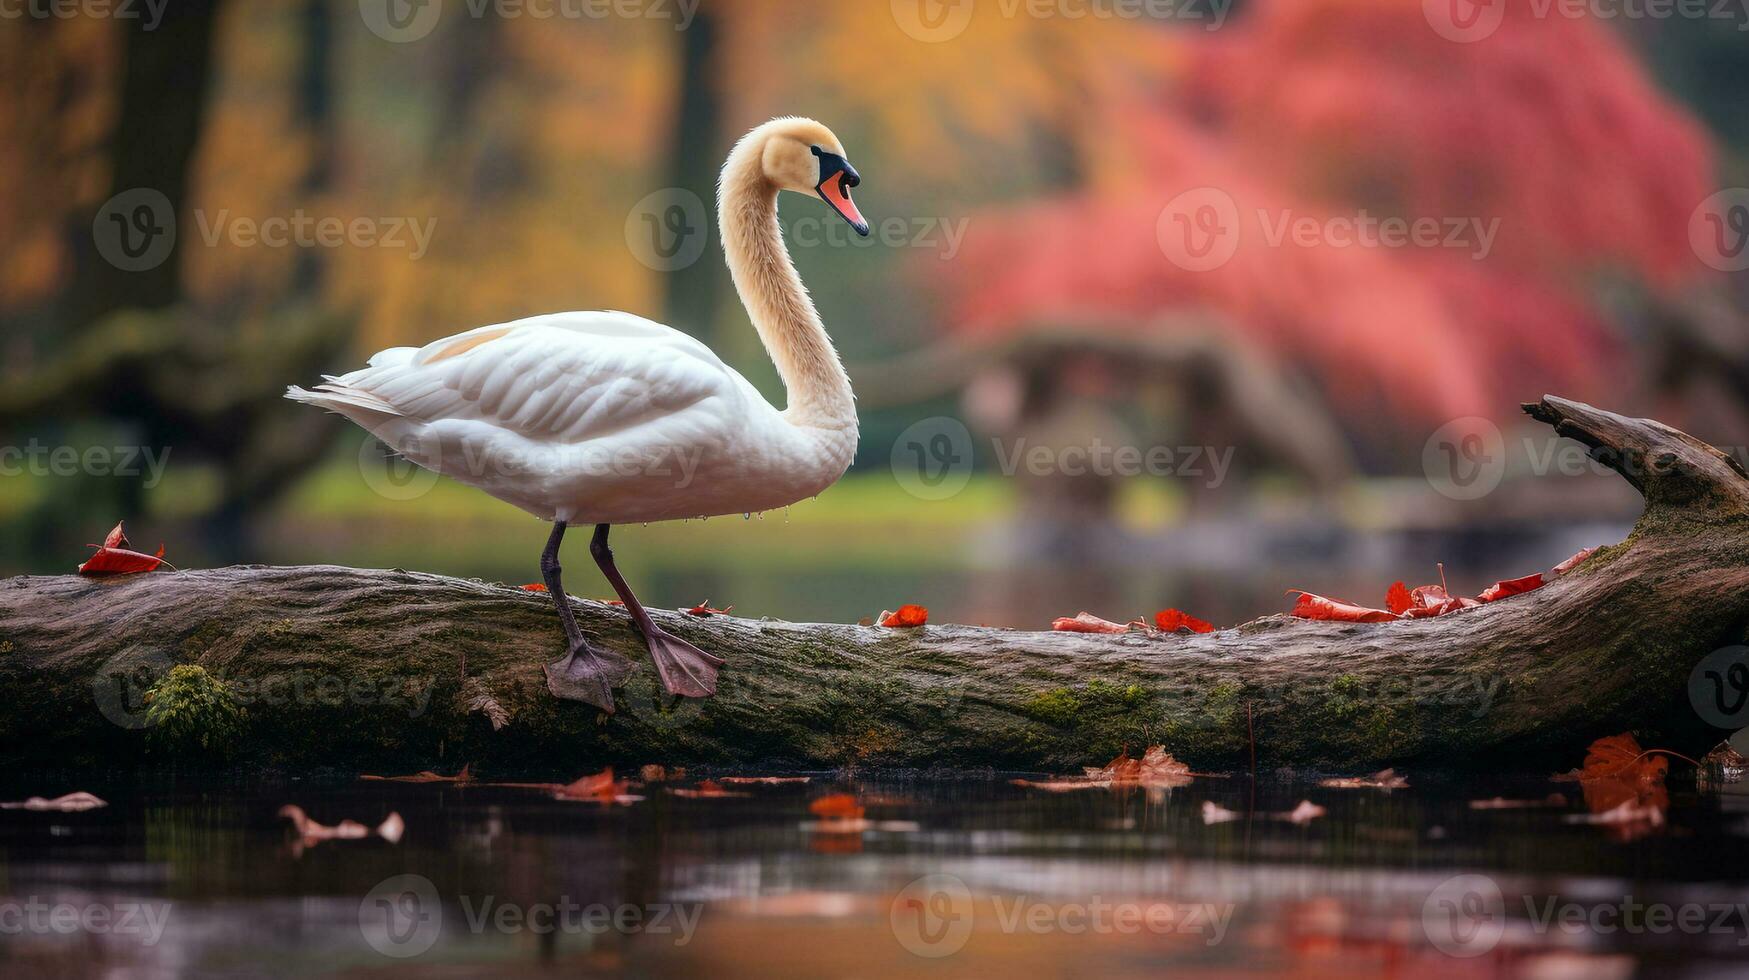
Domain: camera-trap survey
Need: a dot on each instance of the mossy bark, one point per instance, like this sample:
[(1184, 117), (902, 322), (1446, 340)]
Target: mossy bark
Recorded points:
[(344, 668)]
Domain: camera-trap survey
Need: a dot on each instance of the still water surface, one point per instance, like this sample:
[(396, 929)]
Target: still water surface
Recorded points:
[(967, 875)]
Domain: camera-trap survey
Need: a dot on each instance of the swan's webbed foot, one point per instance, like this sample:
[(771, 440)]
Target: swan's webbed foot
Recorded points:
[(586, 674), (686, 671)]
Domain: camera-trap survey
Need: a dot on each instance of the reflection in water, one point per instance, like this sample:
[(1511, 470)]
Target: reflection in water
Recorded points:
[(969, 876)]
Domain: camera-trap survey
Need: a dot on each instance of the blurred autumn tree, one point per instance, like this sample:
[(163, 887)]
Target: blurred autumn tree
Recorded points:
[(1334, 108)]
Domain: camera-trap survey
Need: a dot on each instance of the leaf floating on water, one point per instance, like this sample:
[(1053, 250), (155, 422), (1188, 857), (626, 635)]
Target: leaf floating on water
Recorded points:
[(908, 616), (1303, 814), (1156, 769), (706, 790), (763, 780), (426, 776), (1554, 800), (1213, 813), (1623, 786), (600, 788), (311, 832), (1386, 779), (70, 803)]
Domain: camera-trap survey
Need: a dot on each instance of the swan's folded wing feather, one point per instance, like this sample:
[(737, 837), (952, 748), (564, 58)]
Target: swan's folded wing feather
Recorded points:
[(550, 383)]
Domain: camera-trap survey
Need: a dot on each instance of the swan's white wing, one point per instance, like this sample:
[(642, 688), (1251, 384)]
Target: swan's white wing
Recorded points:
[(562, 379)]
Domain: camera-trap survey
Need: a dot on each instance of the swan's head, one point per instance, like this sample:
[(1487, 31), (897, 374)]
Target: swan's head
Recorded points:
[(803, 156)]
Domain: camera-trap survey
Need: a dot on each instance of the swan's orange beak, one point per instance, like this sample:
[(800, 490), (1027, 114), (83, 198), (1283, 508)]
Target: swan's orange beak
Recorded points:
[(837, 177)]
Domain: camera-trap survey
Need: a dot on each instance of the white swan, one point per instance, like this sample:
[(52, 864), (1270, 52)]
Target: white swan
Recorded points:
[(607, 418)]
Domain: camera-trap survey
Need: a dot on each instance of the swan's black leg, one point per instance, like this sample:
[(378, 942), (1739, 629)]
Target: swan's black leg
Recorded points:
[(685, 670), (586, 674)]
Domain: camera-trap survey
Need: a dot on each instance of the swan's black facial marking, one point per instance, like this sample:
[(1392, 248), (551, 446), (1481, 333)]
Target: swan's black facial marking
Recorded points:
[(837, 177)]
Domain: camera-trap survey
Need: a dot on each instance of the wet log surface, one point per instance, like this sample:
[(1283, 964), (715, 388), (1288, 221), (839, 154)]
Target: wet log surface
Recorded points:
[(346, 669)]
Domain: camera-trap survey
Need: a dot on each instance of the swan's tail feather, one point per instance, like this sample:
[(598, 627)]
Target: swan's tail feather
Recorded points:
[(335, 396)]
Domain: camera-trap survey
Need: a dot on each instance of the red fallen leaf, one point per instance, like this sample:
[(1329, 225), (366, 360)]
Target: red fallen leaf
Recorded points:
[(837, 806), (1173, 621), (426, 776), (1624, 787), (1397, 599), (1511, 587), (908, 615), (1621, 756), (71, 803), (1086, 622), (598, 788), (534, 587), (1573, 562), (704, 609), (707, 790), (114, 557), (1311, 606), (1386, 779), (311, 832)]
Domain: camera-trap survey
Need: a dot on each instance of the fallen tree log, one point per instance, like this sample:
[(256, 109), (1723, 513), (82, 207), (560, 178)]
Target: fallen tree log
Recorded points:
[(343, 668)]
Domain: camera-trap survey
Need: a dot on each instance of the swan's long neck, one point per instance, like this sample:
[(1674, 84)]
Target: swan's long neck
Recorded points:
[(776, 300)]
